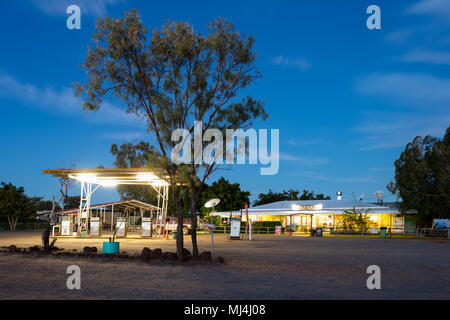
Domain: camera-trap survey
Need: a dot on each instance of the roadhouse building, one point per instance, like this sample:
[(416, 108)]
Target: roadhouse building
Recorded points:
[(303, 215)]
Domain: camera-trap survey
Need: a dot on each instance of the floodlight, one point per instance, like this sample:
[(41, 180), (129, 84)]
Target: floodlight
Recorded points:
[(146, 177), (85, 177), (159, 183), (108, 183)]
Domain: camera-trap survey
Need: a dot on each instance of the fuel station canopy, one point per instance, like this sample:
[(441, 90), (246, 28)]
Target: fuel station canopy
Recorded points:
[(113, 177), (92, 179)]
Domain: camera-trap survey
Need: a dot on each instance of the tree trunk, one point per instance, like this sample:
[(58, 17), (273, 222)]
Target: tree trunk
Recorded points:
[(46, 232), (12, 225), (177, 199), (193, 205), (46, 236)]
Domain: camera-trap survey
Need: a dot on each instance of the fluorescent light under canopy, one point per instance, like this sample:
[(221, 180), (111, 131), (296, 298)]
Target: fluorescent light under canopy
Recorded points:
[(113, 177)]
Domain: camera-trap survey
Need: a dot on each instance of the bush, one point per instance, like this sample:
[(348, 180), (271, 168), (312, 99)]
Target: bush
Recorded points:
[(265, 224)]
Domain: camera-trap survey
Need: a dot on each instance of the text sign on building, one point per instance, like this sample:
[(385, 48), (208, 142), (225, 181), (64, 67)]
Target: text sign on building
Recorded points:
[(312, 207)]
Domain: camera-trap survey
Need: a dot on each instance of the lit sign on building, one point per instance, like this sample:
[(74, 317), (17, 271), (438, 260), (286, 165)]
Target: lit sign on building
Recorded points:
[(312, 207)]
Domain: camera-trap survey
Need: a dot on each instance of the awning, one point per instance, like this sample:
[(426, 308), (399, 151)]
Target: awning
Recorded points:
[(125, 204), (114, 176)]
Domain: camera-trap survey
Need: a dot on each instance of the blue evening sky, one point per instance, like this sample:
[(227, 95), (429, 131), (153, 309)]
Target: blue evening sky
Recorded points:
[(346, 99)]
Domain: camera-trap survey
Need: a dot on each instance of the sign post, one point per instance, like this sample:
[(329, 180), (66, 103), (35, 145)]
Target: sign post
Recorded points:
[(246, 217), (211, 227)]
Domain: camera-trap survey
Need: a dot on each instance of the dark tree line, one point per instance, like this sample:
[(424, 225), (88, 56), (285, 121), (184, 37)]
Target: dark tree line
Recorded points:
[(17, 207), (422, 177), (291, 194)]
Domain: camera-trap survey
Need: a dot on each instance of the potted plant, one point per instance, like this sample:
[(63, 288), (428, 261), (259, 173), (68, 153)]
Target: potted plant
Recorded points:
[(112, 246)]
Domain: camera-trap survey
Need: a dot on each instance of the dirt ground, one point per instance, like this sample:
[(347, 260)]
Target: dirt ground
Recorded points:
[(268, 267)]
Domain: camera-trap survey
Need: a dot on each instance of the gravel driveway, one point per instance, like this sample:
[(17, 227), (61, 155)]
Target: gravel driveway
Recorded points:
[(268, 267)]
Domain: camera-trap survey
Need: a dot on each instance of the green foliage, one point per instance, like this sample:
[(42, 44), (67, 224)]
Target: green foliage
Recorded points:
[(138, 155), (71, 202), (422, 177), (14, 204), (291, 194), (13, 201), (38, 204), (359, 218), (130, 155), (177, 77), (172, 79), (214, 220), (265, 224), (230, 194), (309, 195)]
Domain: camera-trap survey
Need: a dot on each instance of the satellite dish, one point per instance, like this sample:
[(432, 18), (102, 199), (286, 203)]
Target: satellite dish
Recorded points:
[(378, 195), (212, 203)]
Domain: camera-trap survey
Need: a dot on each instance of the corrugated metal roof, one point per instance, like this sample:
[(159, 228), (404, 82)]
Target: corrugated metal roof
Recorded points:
[(133, 204), (312, 207), (326, 204)]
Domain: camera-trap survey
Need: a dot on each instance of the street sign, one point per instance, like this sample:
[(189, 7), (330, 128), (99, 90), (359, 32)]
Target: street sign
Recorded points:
[(211, 226)]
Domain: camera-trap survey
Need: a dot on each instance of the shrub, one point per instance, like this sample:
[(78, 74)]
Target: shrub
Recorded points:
[(265, 224)]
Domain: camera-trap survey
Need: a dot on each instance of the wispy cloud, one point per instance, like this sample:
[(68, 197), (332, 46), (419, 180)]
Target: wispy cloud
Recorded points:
[(321, 177), (425, 99), (388, 130), (432, 7), (90, 7), (411, 89), (123, 136), (61, 101), (433, 57), (400, 36), (304, 160), (425, 33), (297, 63), (301, 143), (381, 169)]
